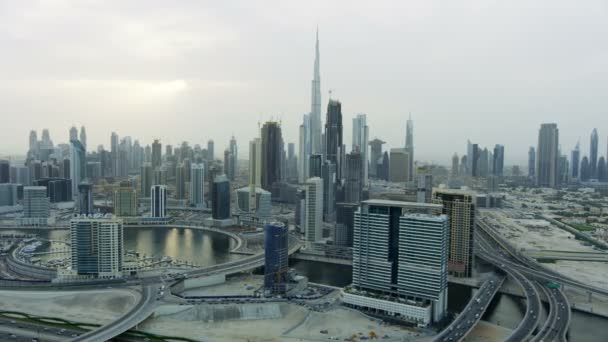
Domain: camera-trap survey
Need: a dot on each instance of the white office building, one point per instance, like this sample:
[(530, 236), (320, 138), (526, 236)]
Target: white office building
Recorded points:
[(197, 185), (313, 210)]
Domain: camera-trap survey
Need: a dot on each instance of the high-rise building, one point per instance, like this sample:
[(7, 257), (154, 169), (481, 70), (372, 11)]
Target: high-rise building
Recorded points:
[(114, 154), (455, 167), (126, 202), (398, 168), (228, 166), (593, 153), (585, 173), (292, 163), (254, 214), (36, 204), (602, 172), (5, 168), (361, 142), (333, 135), (97, 246), (344, 223), (575, 160), (255, 162), (546, 156), (33, 145), (305, 149), (315, 163), (409, 147), (77, 164), (425, 188), (353, 182), (459, 206), (220, 198), (315, 110), (276, 257), (85, 198), (156, 154), (197, 185), (8, 194), (383, 167), (180, 182), (83, 136), (210, 149), (328, 173), (498, 162), (73, 133), (399, 251), (272, 150), (234, 159), (313, 217), (375, 156), (146, 179), (158, 201), (532, 163)]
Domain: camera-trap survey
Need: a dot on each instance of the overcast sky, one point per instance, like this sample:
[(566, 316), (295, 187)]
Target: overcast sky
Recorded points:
[(490, 71)]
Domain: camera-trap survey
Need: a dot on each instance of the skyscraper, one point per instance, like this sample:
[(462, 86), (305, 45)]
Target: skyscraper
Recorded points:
[(315, 110), (36, 204), (409, 147), (85, 198), (333, 135), (272, 150), (593, 154), (276, 258), (156, 154), (231, 173), (255, 162), (498, 160), (585, 173), (425, 188), (305, 149), (210, 149), (146, 179), (180, 182), (315, 163), (459, 206), (77, 164), (220, 198), (602, 172), (399, 165), (360, 143), (328, 173), (399, 251), (114, 154), (5, 168), (83, 136), (455, 167), (375, 156), (97, 246), (575, 160), (197, 185), (313, 216), (532, 163), (353, 182), (158, 201), (73, 133), (547, 155)]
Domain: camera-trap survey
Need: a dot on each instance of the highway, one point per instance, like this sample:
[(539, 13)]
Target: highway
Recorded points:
[(472, 313), (558, 320), (18, 330), (142, 310)]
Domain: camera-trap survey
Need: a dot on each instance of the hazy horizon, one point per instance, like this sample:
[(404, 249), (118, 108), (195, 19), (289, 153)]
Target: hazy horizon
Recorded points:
[(491, 72)]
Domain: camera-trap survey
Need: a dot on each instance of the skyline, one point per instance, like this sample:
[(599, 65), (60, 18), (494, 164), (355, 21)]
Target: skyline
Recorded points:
[(139, 87)]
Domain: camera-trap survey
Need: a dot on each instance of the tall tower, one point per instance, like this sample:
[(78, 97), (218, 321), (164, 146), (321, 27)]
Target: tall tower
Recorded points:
[(575, 160), (409, 146), (333, 135), (305, 148), (156, 154), (593, 154), (546, 155), (83, 136), (158, 201), (272, 148), (360, 142), (73, 133), (315, 110), (376, 155)]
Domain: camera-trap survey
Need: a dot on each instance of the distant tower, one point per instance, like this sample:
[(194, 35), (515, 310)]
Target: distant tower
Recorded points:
[(315, 111), (234, 158), (547, 156), (353, 182), (585, 173), (360, 143), (83, 137), (575, 161), (333, 135), (305, 148), (593, 154), (33, 142), (77, 164), (498, 160), (73, 133), (375, 156), (146, 179), (158, 201), (272, 149), (220, 198), (210, 149), (455, 166), (532, 163), (85, 198), (156, 154), (313, 228), (197, 185), (409, 147)]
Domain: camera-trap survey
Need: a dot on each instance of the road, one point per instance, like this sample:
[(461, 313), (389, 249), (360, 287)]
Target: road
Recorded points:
[(17, 330), (472, 313), (558, 320), (142, 310)]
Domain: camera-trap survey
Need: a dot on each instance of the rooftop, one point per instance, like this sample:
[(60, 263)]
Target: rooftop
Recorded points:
[(390, 203)]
